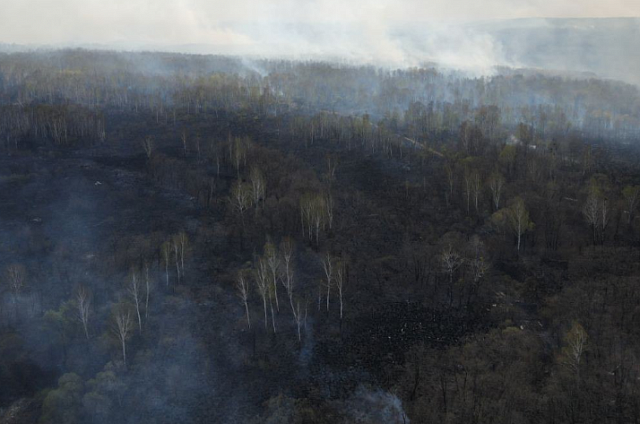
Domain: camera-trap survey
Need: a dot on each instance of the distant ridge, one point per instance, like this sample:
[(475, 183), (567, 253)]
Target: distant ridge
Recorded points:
[(605, 46)]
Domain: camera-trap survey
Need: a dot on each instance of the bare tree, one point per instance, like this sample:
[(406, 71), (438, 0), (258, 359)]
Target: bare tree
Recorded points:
[(305, 215), (288, 281), (181, 241), (319, 214), (83, 303), (297, 316), (320, 285), (479, 268), (147, 285), (605, 212), (239, 149), (148, 146), (450, 181), (241, 198), (261, 276), (451, 261), (273, 262), (467, 185), (575, 345), (591, 212), (340, 279), (16, 276), (183, 138), (328, 265), (258, 185), (271, 292), (313, 214), (496, 182), (477, 265), (631, 195), (166, 257), (175, 243), (242, 287), (476, 187), (122, 328), (134, 292), (328, 204), (518, 216), (306, 312), (332, 165)]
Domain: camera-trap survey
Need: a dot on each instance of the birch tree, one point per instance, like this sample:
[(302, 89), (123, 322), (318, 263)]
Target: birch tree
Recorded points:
[(476, 186), (448, 168), (183, 138), (166, 257), (286, 251), (573, 351), (605, 213), (148, 146), (519, 218), (273, 262), (122, 328), (271, 292), (328, 267), (242, 288), (451, 261), (176, 248), (320, 286), (477, 265), (239, 153), (313, 214), (297, 315), (340, 279), (134, 289), (261, 277), (591, 212), (328, 205), (241, 198), (319, 214), (83, 303), (147, 285), (468, 181), (514, 218), (631, 195), (181, 241), (258, 185), (16, 276), (305, 215), (496, 182), (332, 165)]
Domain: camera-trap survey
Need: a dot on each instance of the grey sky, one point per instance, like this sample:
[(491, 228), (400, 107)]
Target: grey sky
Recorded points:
[(168, 22)]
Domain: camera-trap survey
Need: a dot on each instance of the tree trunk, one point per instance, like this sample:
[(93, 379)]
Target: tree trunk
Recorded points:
[(246, 307), (124, 353)]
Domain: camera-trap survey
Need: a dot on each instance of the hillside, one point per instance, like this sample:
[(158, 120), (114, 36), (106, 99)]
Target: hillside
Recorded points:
[(189, 238)]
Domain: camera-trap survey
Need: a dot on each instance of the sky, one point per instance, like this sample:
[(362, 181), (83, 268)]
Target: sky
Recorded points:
[(234, 22)]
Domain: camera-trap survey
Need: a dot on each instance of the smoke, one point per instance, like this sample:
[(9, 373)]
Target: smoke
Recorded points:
[(374, 407), (382, 32), (376, 42)]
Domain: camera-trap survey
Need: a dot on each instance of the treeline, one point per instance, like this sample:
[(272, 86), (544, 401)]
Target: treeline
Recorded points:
[(25, 127), (164, 84)]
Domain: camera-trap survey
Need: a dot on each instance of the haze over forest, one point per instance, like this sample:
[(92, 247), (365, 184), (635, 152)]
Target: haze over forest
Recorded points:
[(580, 36), (319, 211)]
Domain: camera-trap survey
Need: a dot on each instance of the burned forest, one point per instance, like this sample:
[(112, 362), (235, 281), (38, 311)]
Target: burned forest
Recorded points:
[(215, 239)]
